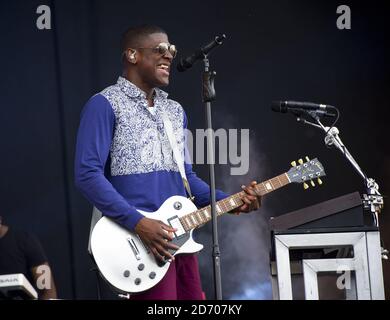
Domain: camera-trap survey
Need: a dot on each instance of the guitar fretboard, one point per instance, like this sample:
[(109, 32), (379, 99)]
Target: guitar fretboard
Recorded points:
[(200, 217)]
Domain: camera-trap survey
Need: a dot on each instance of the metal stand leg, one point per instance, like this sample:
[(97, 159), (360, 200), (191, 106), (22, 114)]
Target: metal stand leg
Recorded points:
[(312, 267), (283, 268), (375, 266), (351, 293), (366, 263)]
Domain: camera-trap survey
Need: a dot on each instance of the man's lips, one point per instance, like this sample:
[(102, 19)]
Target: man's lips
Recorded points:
[(164, 68)]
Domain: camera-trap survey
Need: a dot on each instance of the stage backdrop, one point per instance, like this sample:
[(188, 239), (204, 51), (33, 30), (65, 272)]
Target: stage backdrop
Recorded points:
[(275, 50)]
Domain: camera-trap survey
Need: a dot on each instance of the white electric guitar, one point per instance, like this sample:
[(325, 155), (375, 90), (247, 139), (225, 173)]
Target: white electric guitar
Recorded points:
[(130, 267)]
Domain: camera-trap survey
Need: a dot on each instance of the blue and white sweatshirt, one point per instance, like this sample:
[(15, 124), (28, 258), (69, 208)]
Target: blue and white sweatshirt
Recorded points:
[(124, 161)]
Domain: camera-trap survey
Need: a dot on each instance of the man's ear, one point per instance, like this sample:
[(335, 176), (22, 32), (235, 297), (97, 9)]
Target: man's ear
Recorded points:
[(131, 56)]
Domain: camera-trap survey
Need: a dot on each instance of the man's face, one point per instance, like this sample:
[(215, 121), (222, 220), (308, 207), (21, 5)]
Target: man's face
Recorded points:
[(153, 67)]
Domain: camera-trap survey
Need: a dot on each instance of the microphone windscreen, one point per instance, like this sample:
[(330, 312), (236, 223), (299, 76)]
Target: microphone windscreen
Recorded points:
[(180, 66), (277, 106)]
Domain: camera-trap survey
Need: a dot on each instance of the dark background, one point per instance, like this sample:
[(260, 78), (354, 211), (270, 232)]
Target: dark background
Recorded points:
[(275, 50)]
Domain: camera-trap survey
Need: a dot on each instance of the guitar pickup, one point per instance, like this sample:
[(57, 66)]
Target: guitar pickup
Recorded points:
[(174, 222), (134, 248)]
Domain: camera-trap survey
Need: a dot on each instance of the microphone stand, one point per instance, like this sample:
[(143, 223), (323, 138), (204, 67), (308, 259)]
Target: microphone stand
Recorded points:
[(208, 96), (372, 200)]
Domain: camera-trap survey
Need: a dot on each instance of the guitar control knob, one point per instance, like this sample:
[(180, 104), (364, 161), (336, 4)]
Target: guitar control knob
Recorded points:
[(126, 274), (137, 281), (152, 275), (141, 267)]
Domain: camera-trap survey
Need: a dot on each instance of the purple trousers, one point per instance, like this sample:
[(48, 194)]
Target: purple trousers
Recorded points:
[(181, 282)]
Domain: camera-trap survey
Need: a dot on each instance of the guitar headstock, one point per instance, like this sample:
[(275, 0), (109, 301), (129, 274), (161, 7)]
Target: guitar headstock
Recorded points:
[(302, 172)]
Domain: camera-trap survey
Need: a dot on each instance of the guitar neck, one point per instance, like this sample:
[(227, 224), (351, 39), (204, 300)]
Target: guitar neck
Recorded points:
[(200, 217)]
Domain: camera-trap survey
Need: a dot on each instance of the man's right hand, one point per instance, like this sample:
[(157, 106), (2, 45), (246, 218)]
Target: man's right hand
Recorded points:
[(157, 236)]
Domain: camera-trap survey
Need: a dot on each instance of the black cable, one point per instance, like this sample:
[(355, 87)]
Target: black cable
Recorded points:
[(98, 289), (337, 119)]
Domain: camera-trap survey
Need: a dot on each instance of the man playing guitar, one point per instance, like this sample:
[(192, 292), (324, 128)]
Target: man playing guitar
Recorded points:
[(124, 160)]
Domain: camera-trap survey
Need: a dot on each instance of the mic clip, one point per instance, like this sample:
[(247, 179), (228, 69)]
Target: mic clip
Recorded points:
[(313, 113), (323, 113), (208, 86)]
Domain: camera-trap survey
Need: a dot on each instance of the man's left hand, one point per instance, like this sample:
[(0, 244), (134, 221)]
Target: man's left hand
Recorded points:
[(251, 199)]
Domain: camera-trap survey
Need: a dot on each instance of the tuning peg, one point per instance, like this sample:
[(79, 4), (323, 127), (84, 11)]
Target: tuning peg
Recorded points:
[(305, 186), (300, 161), (307, 158), (319, 181), (312, 183), (293, 164)]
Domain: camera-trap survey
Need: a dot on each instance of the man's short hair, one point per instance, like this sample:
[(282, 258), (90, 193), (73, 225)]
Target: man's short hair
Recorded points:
[(133, 36)]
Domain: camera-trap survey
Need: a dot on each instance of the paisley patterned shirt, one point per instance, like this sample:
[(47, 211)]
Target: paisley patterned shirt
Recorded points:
[(140, 144), (124, 161)]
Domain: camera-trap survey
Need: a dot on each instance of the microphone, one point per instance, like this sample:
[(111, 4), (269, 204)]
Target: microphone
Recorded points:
[(297, 107), (187, 62)]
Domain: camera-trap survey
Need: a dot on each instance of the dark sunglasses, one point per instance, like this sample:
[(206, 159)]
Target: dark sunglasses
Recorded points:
[(162, 49)]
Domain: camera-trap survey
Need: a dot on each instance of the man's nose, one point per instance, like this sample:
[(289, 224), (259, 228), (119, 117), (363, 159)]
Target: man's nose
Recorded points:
[(168, 55)]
